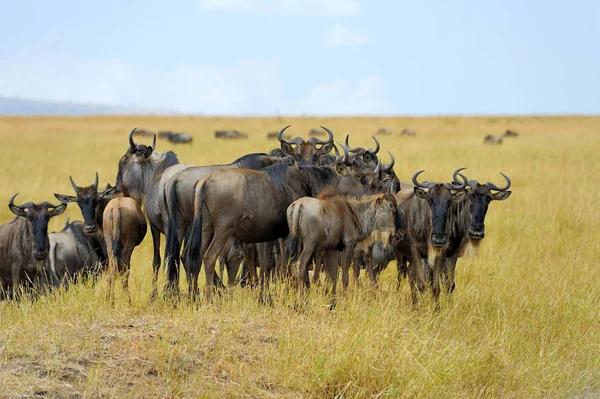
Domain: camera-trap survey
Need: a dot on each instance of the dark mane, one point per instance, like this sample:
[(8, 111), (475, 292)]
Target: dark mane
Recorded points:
[(169, 159), (122, 162), (277, 152), (250, 161), (318, 177), (277, 174)]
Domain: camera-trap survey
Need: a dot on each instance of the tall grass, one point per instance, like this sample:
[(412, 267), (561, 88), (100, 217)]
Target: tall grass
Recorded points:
[(522, 323)]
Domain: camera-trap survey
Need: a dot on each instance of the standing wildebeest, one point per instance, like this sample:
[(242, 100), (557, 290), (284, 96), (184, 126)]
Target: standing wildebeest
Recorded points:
[(306, 152), (231, 259), (426, 213), (491, 139), (24, 245), (175, 137), (510, 133), (72, 254), (230, 134), (251, 206), (408, 132), (383, 131), (367, 159), (142, 175), (124, 229), (331, 222)]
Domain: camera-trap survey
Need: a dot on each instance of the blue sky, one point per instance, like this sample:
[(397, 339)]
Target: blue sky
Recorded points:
[(320, 57)]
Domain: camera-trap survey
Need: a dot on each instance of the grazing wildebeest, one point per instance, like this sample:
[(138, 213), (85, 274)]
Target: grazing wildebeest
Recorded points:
[(306, 152), (142, 175), (72, 254), (251, 206), (335, 223), (176, 138), (24, 245), (178, 205), (425, 214), (408, 132), (367, 159), (124, 229), (230, 134), (383, 131), (510, 133), (491, 139)]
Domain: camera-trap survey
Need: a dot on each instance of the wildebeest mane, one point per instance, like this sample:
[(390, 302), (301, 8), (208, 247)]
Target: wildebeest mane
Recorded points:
[(250, 161), (318, 177), (278, 174), (167, 161)]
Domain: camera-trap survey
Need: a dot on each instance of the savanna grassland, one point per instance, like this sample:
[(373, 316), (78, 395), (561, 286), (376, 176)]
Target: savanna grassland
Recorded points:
[(523, 322)]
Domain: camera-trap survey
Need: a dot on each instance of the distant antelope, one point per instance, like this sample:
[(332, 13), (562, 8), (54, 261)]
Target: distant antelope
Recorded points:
[(491, 139)]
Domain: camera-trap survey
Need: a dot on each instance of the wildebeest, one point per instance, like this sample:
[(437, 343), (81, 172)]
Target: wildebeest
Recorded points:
[(510, 133), (176, 138), (124, 229), (305, 152), (491, 139), (367, 159), (230, 134), (383, 131), (142, 175), (316, 132), (73, 254), (425, 214), (336, 223), (231, 258), (144, 132), (24, 245), (273, 135), (408, 132), (251, 206)]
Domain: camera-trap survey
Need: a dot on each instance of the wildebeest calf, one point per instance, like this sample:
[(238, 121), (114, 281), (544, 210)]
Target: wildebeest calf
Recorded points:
[(125, 227)]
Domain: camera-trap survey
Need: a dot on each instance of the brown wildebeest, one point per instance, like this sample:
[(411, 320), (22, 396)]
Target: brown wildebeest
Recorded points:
[(383, 131), (125, 227), (335, 223), (491, 139), (426, 215), (24, 245), (366, 159), (408, 132), (230, 134), (306, 152), (72, 254), (176, 138), (510, 133), (251, 206)]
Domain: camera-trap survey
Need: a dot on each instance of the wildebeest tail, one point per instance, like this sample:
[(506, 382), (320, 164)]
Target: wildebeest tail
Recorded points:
[(52, 260), (117, 248), (172, 241), (194, 260), (292, 242)]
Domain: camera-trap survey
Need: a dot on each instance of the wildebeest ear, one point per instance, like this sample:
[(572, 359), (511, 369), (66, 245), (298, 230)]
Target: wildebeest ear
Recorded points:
[(419, 192), (287, 149), (108, 193), (18, 210), (58, 210), (65, 199), (325, 149), (379, 201), (501, 196), (458, 195)]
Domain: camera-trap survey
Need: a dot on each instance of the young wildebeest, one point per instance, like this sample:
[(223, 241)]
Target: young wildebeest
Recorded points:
[(24, 245), (330, 222), (124, 229), (426, 213), (71, 254), (251, 206)]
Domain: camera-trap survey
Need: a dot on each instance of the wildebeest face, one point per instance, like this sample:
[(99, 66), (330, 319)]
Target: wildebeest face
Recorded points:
[(480, 197), (38, 216), (131, 163), (387, 217), (368, 157), (306, 151), (88, 199)]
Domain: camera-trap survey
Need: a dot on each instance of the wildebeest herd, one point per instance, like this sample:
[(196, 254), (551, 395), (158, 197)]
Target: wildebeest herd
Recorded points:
[(280, 213)]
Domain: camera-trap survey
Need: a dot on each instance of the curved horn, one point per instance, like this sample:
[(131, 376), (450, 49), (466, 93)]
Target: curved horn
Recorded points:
[(464, 184), (377, 168), (337, 151), (11, 201), (280, 134), (376, 150), (96, 181), (492, 186), (346, 158), (73, 184), (456, 173), (131, 142), (329, 140), (416, 182), (357, 149), (153, 146), (391, 165)]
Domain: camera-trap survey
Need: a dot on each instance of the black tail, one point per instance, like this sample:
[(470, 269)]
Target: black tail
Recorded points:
[(194, 260), (292, 243), (172, 240), (117, 247)]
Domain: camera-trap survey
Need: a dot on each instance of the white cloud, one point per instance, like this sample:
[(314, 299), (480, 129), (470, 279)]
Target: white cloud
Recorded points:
[(341, 97), (286, 7), (340, 35)]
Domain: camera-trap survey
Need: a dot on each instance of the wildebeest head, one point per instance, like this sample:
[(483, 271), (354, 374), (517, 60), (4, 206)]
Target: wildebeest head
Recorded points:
[(383, 178), (439, 196), (480, 196), (387, 216), (369, 157), (38, 216), (91, 202), (135, 166), (306, 151)]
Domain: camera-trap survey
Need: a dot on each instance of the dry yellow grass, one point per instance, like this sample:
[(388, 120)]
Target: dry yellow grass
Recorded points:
[(523, 322)]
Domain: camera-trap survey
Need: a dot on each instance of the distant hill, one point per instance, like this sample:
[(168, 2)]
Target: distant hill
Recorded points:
[(22, 106)]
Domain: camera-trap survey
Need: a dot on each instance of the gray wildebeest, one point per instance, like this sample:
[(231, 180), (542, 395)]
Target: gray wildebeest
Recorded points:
[(425, 214), (251, 206), (367, 159), (408, 132), (124, 229), (305, 152), (491, 139), (72, 255), (383, 131), (230, 134), (175, 138), (510, 133), (24, 246), (335, 223), (142, 175)]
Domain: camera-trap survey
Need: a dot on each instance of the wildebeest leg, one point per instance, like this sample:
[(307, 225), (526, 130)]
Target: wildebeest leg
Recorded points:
[(358, 258), (16, 280), (448, 273), (125, 269), (284, 262), (249, 274), (319, 262), (155, 261), (212, 254), (111, 271), (369, 265), (304, 260), (416, 278), (265, 256), (330, 259), (346, 259), (435, 283)]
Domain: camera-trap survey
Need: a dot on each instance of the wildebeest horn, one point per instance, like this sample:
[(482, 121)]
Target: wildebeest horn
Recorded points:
[(455, 185), (376, 150), (96, 181), (492, 186), (337, 151), (11, 202), (74, 185), (416, 182), (455, 175), (131, 142), (346, 158), (391, 165), (280, 134), (153, 146), (329, 132), (357, 149), (378, 168), (49, 205)]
